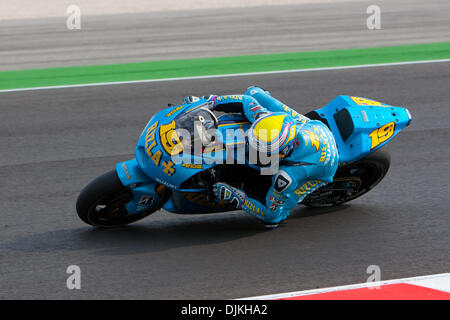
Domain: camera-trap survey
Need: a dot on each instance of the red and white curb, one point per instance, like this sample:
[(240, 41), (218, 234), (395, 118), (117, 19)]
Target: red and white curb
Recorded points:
[(432, 287)]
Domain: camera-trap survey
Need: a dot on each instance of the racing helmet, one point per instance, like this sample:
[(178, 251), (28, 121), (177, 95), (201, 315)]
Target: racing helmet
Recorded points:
[(273, 133)]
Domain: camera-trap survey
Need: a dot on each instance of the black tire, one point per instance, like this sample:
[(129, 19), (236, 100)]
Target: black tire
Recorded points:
[(102, 202), (358, 177)]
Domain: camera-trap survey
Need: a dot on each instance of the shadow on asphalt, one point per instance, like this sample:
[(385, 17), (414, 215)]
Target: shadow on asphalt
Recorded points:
[(156, 236), (304, 211)]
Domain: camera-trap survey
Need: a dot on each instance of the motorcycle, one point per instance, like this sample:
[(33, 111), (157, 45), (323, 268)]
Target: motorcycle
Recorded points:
[(153, 180)]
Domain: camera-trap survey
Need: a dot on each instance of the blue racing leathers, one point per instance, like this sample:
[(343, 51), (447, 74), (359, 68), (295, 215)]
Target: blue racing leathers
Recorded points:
[(311, 165)]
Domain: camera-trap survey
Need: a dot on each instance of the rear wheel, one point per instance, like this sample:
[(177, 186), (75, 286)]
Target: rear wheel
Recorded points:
[(351, 181), (102, 202)]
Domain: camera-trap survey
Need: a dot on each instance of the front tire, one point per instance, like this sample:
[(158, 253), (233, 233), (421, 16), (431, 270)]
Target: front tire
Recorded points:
[(102, 202)]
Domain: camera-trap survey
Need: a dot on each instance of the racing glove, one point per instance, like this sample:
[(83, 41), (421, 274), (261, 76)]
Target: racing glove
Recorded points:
[(227, 193)]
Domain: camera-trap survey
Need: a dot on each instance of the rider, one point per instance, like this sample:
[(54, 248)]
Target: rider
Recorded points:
[(306, 149)]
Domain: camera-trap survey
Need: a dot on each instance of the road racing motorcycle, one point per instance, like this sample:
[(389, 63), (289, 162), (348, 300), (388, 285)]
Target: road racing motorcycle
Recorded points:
[(153, 180)]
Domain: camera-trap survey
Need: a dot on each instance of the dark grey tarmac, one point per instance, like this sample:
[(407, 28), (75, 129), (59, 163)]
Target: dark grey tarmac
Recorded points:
[(53, 142)]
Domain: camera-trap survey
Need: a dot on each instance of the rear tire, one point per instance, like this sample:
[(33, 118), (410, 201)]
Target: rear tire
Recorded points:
[(353, 180), (102, 202)]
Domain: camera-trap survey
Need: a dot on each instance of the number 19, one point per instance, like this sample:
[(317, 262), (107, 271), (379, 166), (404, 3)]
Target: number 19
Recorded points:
[(381, 134)]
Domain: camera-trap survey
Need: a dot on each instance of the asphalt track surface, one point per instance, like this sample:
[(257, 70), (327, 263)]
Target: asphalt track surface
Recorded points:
[(44, 43), (53, 142)]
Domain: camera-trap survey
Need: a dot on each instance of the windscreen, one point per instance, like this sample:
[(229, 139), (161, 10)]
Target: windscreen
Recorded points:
[(196, 128)]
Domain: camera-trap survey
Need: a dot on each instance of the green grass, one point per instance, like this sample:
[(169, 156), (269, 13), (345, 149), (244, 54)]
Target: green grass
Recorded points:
[(220, 66)]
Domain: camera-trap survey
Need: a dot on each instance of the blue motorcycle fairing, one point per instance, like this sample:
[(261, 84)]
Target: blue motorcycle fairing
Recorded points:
[(154, 165), (154, 159), (361, 126), (145, 197), (152, 151), (130, 173)]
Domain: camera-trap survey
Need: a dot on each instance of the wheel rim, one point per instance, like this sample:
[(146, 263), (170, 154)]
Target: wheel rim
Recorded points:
[(354, 182), (110, 210)]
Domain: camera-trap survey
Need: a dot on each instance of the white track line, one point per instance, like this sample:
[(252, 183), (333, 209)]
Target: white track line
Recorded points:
[(230, 75), (437, 281)]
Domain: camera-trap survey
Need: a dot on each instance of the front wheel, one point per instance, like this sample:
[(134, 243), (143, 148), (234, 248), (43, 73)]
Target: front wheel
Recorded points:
[(102, 202), (351, 181)]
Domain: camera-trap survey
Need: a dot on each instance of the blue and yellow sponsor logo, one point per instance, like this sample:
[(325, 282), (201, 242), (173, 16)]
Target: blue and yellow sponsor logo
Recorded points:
[(126, 170), (154, 153), (229, 97), (150, 144), (279, 195), (192, 166), (323, 153), (366, 102), (252, 207), (169, 139), (306, 187), (294, 114), (169, 167), (173, 111), (382, 134), (311, 137)]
